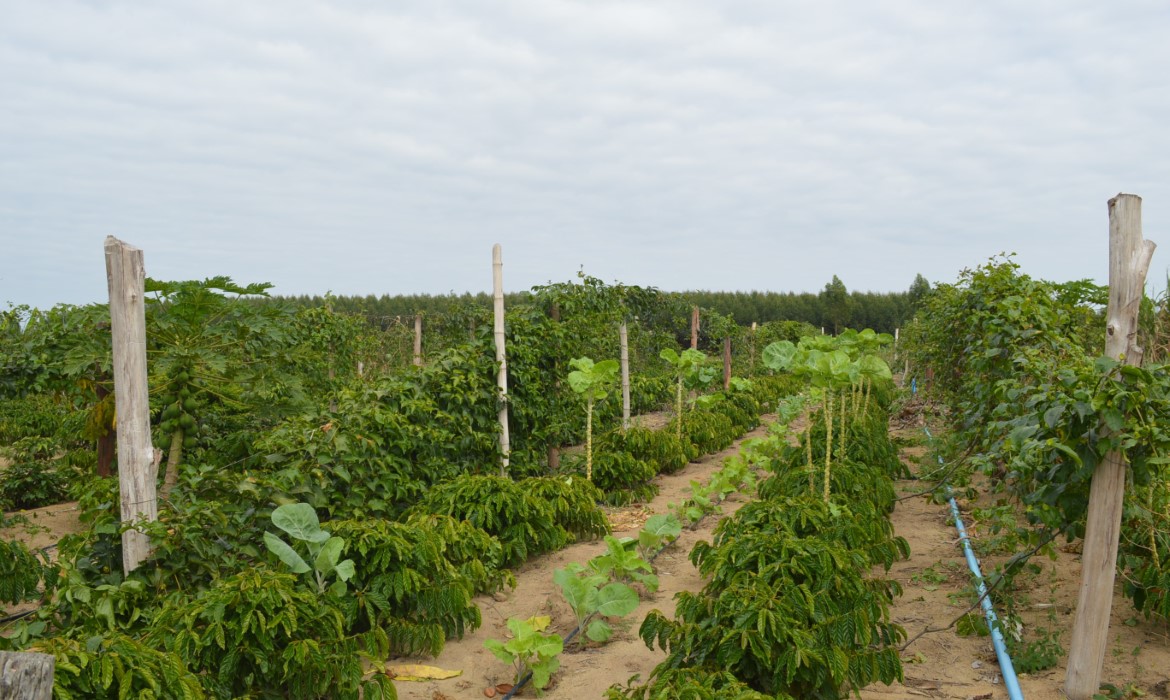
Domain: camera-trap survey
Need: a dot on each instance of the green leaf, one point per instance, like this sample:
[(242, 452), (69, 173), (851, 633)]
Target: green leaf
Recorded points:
[(329, 554), (579, 382), (286, 554), (496, 647), (599, 631), (616, 600), (874, 367), (299, 520), (1113, 419), (344, 570)]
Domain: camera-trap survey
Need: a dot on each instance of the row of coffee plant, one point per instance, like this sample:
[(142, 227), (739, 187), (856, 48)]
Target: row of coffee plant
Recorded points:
[(1016, 365), (790, 608)]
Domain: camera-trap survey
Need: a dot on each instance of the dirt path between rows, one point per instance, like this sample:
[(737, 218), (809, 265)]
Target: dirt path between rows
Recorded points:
[(584, 673)]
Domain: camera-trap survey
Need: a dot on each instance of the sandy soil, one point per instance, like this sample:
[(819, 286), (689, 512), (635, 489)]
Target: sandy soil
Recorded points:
[(935, 581), (41, 527)]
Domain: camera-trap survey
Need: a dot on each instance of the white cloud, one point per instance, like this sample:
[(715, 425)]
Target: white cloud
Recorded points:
[(319, 145)]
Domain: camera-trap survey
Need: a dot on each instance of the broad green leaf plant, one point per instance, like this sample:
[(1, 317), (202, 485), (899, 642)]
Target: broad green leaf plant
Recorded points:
[(530, 650), (299, 521)]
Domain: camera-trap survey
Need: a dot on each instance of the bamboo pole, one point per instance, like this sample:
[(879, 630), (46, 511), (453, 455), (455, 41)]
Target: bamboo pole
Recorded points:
[(554, 450), (498, 330), (26, 675), (418, 340), (1129, 260), (137, 470), (695, 328), (726, 363), (625, 357)]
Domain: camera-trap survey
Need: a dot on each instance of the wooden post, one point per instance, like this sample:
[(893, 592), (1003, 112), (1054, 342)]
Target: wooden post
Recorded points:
[(752, 351), (1129, 260), (625, 355), (694, 328), (726, 363), (418, 340), (554, 450), (126, 277), (26, 675), (498, 330)]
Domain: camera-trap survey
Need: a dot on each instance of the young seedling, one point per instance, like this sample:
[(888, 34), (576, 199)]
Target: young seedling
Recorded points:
[(529, 650), (300, 522), (659, 531), (585, 594), (622, 563)]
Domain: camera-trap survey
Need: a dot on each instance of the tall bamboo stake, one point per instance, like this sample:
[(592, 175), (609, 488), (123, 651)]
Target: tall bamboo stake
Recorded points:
[(828, 438), (726, 363), (625, 358), (1129, 260), (418, 340), (501, 360)]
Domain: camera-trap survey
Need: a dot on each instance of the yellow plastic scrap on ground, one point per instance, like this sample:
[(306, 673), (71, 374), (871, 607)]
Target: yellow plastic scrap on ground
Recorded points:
[(419, 672)]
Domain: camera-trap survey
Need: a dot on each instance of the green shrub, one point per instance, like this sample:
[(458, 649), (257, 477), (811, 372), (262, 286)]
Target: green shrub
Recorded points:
[(574, 502), (623, 478), (709, 431), (21, 573), (525, 525), (409, 586), (116, 666), (258, 633), (661, 448), (32, 484), (784, 614), (691, 683)]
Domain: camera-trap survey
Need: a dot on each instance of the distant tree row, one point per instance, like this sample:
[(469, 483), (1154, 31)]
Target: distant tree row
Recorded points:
[(834, 308)]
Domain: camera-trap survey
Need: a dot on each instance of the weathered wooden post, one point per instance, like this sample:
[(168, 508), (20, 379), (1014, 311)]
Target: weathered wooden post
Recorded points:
[(26, 675), (727, 363), (625, 358), (694, 328), (126, 277), (418, 340), (1129, 260), (498, 330), (554, 450)]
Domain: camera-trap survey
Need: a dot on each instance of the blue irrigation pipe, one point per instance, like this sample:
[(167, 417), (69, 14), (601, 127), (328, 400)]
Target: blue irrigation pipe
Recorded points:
[(1006, 667)]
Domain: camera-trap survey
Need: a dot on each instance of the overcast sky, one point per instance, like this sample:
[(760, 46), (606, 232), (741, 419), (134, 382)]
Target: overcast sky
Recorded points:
[(383, 147)]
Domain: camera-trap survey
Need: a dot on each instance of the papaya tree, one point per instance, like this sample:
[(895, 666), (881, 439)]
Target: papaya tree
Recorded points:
[(591, 381)]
